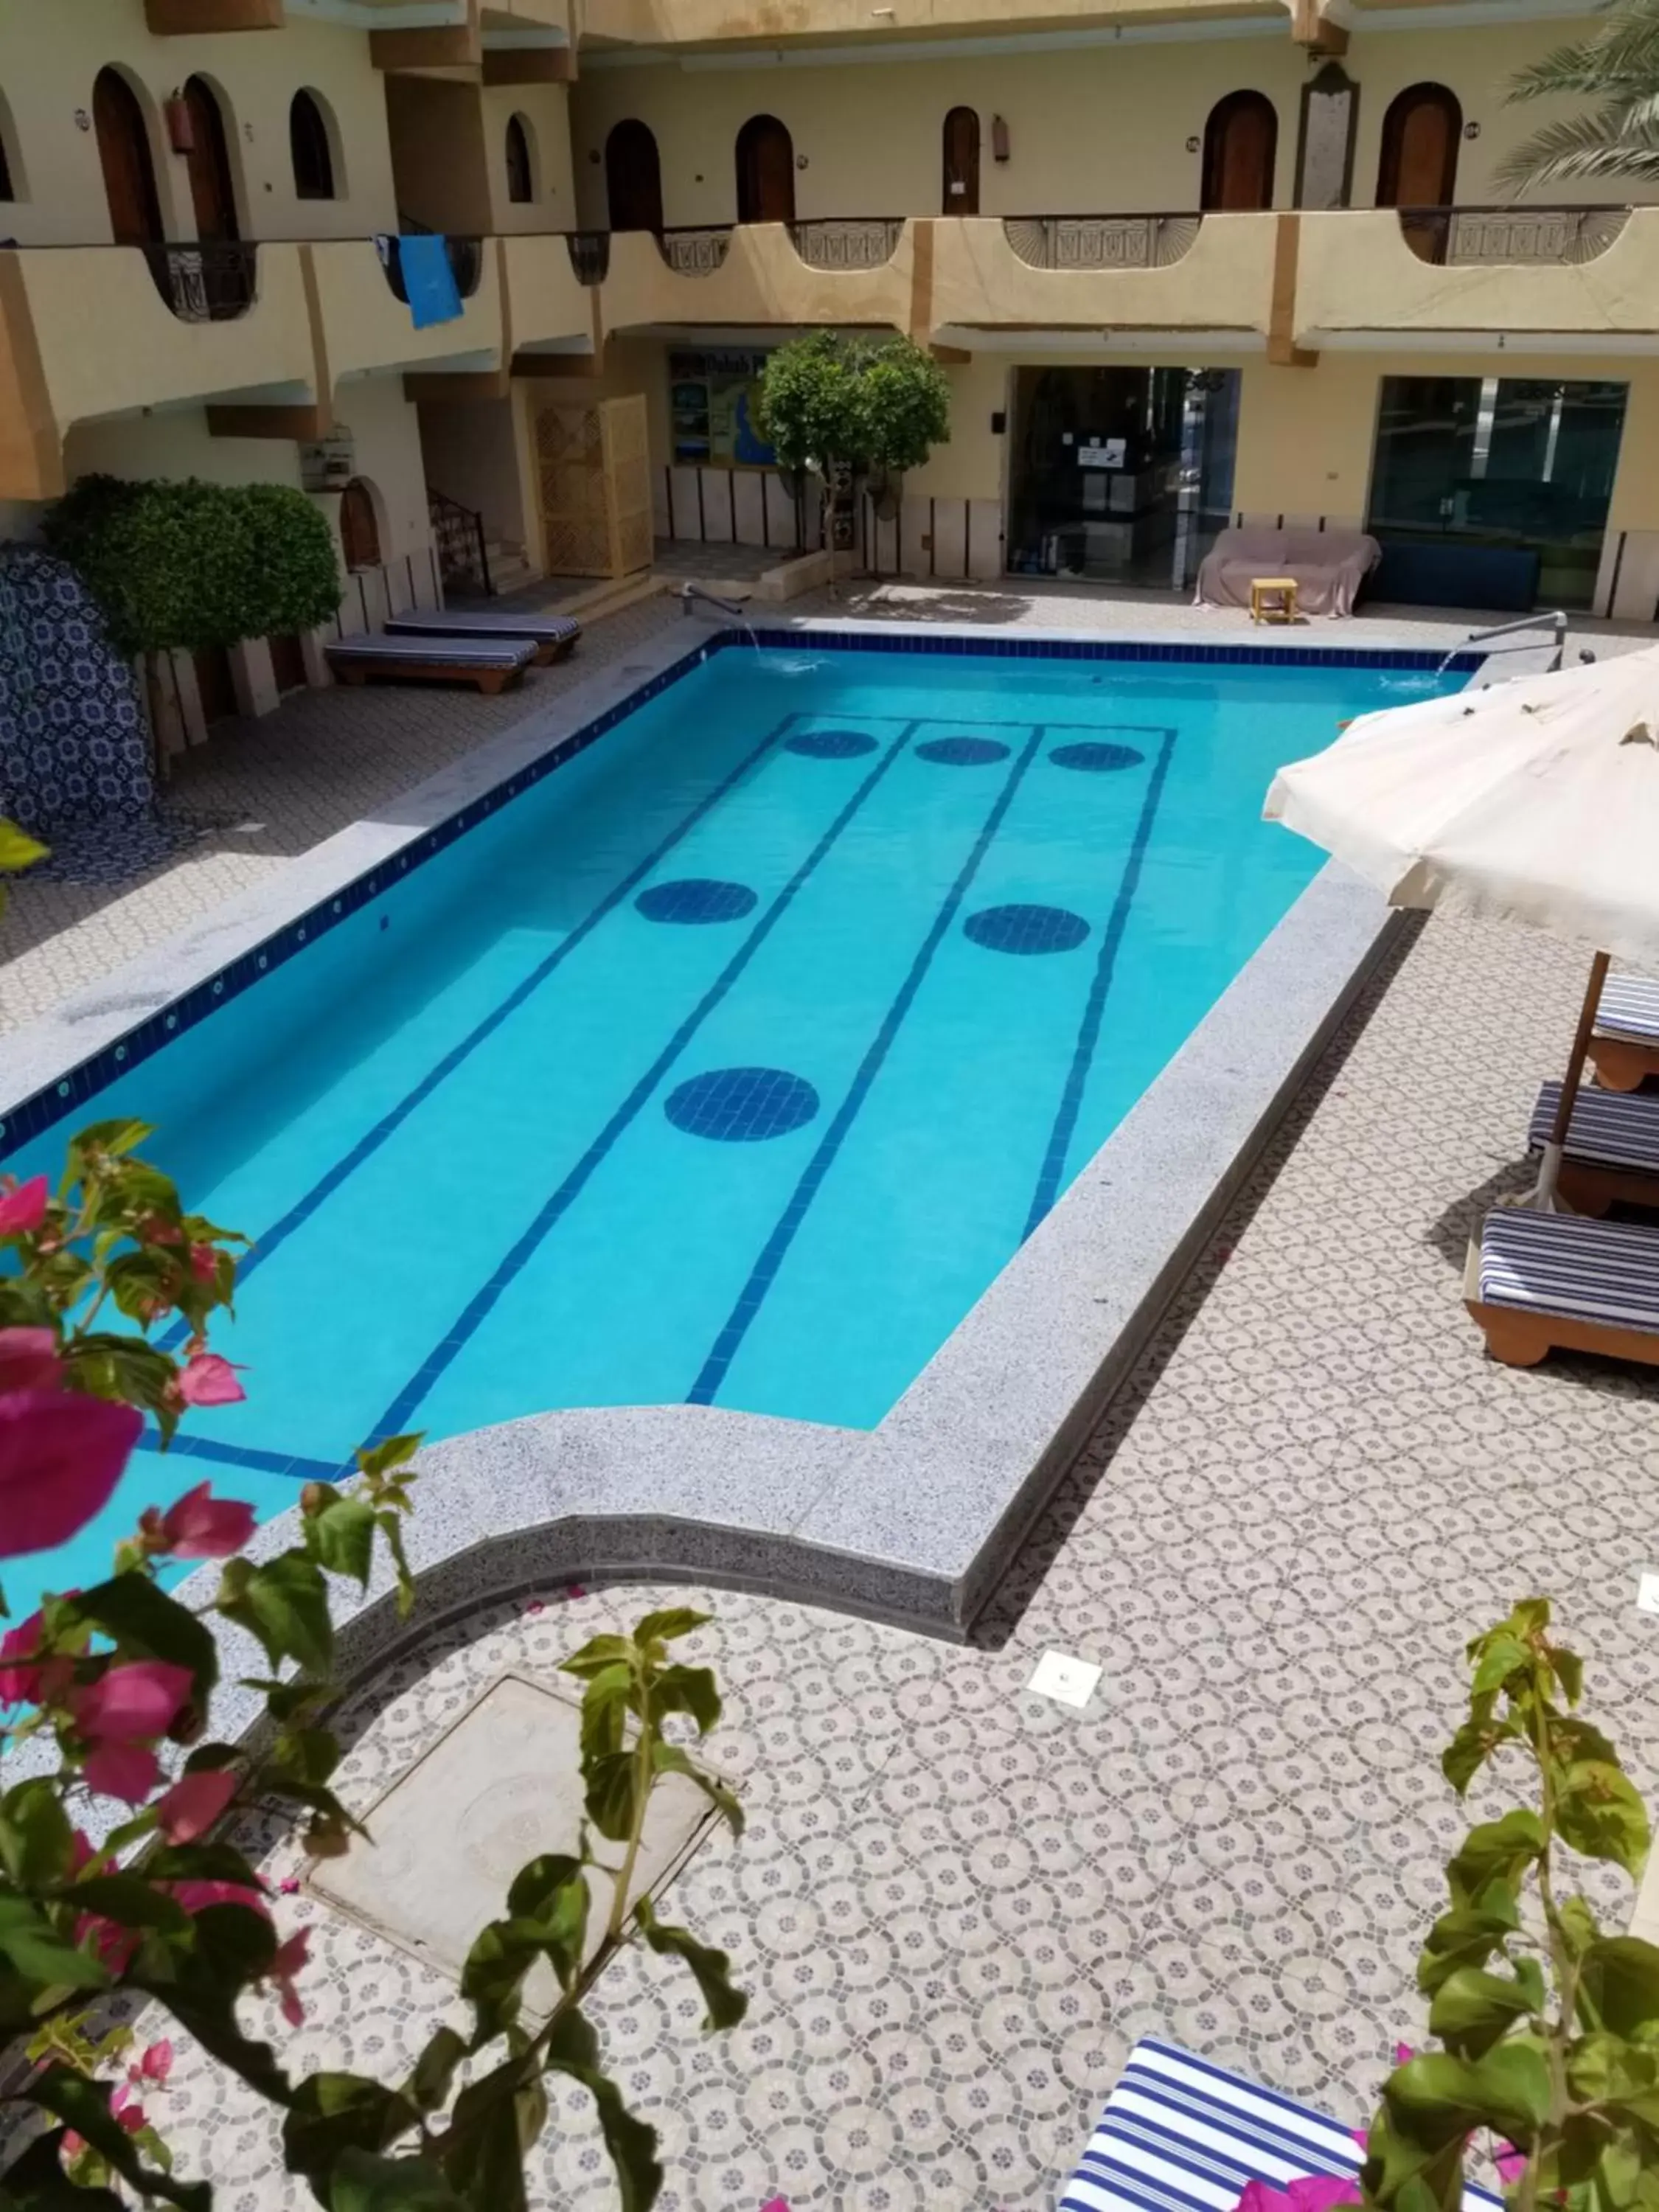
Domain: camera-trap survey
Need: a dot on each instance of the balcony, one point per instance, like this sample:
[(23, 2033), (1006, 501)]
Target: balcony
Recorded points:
[(1541, 274), (549, 309), (1209, 275), (720, 23), (367, 330), (95, 331), (748, 277)]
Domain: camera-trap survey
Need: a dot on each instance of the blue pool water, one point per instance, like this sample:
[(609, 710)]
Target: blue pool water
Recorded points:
[(729, 1063)]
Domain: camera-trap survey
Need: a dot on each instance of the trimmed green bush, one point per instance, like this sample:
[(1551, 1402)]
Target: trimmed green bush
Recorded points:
[(826, 400), (188, 566)]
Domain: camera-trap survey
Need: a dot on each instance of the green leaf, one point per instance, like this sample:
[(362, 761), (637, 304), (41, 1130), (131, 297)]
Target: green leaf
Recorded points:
[(39, 1954), (1569, 1669), (550, 1896), (1502, 1654), (1472, 2010), (1600, 1813), (1620, 1978), (361, 2182), (392, 1528), (341, 1537), (131, 1901), (37, 1838), (1434, 2098), (489, 2168), (1470, 1748), (332, 2113), (664, 1627), (146, 1622), (83, 2104), (602, 1651), (1605, 2069), (605, 1711), (711, 1969), (688, 1690), (612, 1787), (1497, 1851), (113, 1137), (492, 1980), (670, 1759), (572, 2050), (17, 851), (38, 2183), (389, 1452), (284, 1603), (429, 2085)]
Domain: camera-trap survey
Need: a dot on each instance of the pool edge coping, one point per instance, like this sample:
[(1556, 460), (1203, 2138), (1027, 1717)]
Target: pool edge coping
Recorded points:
[(914, 1520)]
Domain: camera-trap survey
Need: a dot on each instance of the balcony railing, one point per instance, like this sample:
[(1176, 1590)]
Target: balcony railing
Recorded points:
[(695, 250), (1101, 241), (210, 281), (463, 255), (590, 254), (1488, 237), (857, 241)]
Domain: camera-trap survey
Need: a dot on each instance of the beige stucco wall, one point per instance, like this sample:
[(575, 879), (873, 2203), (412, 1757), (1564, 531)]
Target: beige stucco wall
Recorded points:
[(1092, 129), (545, 109), (51, 51)]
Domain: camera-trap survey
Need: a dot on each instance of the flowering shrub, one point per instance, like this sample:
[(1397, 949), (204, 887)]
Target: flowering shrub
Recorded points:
[(106, 1693)]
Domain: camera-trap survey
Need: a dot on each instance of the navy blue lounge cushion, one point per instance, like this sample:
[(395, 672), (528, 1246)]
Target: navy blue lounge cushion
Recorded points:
[(1601, 1271), (455, 622), (371, 648), (1608, 1128)]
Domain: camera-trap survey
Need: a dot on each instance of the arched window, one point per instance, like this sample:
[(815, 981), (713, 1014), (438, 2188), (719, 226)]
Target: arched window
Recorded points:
[(632, 178), (360, 528), (11, 179), (520, 162), (1419, 163), (310, 148), (766, 171), (1241, 144), (961, 149), (135, 205), (212, 187)]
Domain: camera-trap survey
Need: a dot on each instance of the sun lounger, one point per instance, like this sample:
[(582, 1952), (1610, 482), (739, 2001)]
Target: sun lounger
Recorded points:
[(1179, 2134), (554, 636), (490, 663), (1539, 1283), (1613, 1147), (1626, 1046)]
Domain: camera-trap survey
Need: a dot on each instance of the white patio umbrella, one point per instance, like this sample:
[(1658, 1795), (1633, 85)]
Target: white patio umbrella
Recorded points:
[(1534, 800)]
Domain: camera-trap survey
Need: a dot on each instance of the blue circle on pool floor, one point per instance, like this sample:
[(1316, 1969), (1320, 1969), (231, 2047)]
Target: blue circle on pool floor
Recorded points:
[(695, 898), (1095, 758), (962, 752), (831, 744), (742, 1105), (1026, 928)]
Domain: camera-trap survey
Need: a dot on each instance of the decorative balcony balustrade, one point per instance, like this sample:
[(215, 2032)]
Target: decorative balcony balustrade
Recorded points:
[(463, 255), (1488, 237), (590, 254), (211, 281), (858, 242), (1101, 241), (696, 249)]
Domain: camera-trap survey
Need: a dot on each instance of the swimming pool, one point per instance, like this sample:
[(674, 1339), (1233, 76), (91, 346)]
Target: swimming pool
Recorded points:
[(730, 1064)]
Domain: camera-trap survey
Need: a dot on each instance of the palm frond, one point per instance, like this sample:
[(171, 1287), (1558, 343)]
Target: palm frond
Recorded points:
[(1567, 68), (1609, 143)]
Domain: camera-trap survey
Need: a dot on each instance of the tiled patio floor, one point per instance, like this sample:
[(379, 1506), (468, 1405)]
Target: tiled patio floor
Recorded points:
[(957, 1906)]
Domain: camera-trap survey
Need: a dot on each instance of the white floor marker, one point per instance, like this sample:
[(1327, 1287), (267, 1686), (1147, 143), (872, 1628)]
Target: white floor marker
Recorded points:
[(1058, 1674)]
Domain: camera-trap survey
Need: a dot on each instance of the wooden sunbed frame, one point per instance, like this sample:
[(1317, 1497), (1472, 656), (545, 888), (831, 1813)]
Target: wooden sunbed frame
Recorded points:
[(435, 670), (1519, 1337), (1623, 1063)]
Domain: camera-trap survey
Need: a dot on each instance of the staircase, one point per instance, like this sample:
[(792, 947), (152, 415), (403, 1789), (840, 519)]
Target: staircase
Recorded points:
[(470, 560), (508, 569)]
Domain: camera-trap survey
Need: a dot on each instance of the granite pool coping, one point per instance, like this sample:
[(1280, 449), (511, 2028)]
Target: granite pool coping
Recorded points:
[(912, 1520)]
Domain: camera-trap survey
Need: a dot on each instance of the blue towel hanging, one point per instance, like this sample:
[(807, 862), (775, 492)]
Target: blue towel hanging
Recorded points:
[(429, 281)]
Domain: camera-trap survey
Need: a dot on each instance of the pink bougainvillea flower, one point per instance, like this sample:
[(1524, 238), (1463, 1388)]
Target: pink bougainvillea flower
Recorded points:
[(200, 1526), (208, 1380), (288, 1886), (1318, 2193), (133, 1704), (1403, 2054), (27, 1684), (190, 1808), (113, 1944), (203, 1262), (155, 2064), (29, 1360), (536, 1605), (23, 1206), (575, 1590), (285, 1968), (130, 2115), (775, 2204), (198, 1896), (61, 1454), (1512, 2164), (127, 1771), (1260, 2197)]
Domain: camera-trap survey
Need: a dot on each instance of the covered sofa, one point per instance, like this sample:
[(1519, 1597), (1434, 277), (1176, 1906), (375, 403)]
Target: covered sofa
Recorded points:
[(1329, 566)]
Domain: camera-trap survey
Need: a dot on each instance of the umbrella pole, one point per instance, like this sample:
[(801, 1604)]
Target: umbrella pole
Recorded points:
[(1542, 1199)]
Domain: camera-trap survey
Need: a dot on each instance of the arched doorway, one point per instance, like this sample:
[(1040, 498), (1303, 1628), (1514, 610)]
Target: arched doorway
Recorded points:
[(360, 528), (633, 177), (961, 193), (212, 186), (310, 148), (1419, 164), (135, 206), (520, 165), (766, 171), (1241, 144)]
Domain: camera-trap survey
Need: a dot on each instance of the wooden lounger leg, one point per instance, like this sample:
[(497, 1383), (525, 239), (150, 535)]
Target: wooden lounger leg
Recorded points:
[(1621, 1066), (564, 650), (1515, 1338)]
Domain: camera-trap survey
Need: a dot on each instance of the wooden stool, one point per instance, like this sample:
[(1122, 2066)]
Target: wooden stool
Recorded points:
[(1272, 598)]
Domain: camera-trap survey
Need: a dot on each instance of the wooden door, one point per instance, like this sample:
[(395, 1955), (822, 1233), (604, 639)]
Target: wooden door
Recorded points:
[(135, 206), (961, 193), (766, 171), (632, 178), (1241, 143), (212, 187), (287, 662), (360, 530), (1419, 165)]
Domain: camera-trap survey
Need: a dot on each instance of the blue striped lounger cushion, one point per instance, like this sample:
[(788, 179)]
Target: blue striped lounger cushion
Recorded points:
[(451, 652), (1560, 1263), (452, 622), (1179, 2134), (1609, 1128), (1629, 1007)]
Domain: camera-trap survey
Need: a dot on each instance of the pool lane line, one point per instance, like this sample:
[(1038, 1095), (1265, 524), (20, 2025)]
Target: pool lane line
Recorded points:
[(1051, 1176), (397, 1414), (243, 1456), (773, 1253), (367, 1145)]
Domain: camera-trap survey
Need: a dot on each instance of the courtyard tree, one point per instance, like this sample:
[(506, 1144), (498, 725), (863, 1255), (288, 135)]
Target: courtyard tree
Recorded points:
[(117, 1877), (1616, 68), (852, 413)]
